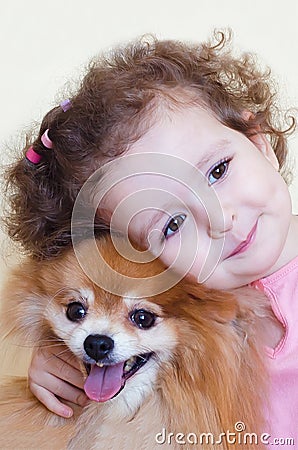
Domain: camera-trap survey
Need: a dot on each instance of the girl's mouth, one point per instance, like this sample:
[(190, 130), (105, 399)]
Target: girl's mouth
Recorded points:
[(245, 244)]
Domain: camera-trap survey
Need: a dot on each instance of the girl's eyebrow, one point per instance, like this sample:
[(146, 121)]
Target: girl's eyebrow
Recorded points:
[(214, 150)]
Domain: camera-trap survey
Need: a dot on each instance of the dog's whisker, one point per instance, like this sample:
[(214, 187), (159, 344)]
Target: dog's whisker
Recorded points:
[(56, 340), (66, 351), (41, 345), (142, 358)]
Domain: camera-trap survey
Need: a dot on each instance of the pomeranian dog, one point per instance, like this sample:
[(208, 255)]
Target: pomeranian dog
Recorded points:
[(180, 368)]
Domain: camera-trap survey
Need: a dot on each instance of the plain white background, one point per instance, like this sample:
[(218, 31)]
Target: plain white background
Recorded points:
[(45, 44)]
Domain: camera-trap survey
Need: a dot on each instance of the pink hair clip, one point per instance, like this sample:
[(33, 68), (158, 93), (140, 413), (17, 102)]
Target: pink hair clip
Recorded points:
[(35, 157), (32, 156), (65, 105), (46, 140)]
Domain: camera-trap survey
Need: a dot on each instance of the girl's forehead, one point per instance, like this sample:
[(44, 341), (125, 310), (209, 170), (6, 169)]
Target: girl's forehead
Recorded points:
[(174, 132)]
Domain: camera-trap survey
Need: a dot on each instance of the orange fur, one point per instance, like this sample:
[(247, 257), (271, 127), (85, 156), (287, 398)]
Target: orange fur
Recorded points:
[(208, 361)]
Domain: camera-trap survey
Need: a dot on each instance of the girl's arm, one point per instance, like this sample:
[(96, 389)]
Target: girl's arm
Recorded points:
[(54, 373)]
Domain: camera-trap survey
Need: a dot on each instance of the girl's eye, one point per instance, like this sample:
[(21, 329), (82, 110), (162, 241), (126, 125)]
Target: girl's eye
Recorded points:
[(218, 171), (173, 225)]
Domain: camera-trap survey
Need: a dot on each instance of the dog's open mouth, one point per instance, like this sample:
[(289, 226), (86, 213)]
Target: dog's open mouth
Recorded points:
[(105, 381)]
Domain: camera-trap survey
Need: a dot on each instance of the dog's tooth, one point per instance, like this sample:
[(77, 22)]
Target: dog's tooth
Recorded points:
[(129, 364), (99, 364), (131, 360)]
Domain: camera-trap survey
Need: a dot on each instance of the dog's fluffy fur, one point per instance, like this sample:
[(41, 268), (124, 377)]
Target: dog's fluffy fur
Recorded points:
[(204, 375)]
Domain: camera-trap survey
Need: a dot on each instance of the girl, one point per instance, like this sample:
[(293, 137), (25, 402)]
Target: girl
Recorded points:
[(199, 104)]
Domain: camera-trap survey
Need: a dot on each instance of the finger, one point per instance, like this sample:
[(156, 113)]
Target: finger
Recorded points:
[(65, 372), (44, 364), (56, 387), (61, 352), (66, 355), (50, 401)]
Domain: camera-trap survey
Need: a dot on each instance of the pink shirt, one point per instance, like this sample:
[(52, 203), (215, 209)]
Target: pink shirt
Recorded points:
[(282, 290)]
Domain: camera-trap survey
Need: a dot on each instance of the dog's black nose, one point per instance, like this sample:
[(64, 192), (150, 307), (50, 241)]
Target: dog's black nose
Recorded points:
[(97, 346)]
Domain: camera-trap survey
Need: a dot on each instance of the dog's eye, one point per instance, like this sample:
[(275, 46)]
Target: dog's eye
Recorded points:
[(142, 318), (75, 311)]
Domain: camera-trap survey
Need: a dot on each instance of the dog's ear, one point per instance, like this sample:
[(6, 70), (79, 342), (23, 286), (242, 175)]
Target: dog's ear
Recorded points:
[(22, 304)]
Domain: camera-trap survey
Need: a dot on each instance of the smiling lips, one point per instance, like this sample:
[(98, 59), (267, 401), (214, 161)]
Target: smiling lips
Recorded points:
[(245, 244)]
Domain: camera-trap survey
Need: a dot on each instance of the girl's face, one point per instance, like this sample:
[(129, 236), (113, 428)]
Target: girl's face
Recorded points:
[(222, 214)]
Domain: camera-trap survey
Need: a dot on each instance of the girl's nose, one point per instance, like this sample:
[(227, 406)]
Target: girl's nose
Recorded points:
[(219, 226)]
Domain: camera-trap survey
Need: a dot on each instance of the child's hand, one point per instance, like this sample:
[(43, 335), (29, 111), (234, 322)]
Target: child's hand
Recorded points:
[(54, 372)]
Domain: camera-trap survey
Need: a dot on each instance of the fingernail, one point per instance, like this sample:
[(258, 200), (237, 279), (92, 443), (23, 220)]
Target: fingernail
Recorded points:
[(67, 412)]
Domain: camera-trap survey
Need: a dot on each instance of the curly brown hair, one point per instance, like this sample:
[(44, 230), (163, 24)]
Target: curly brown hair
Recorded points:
[(112, 108)]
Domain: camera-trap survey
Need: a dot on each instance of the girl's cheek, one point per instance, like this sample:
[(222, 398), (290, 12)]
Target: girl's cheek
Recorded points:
[(181, 250)]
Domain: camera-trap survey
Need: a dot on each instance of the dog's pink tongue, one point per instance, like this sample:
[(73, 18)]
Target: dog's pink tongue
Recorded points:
[(104, 382)]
